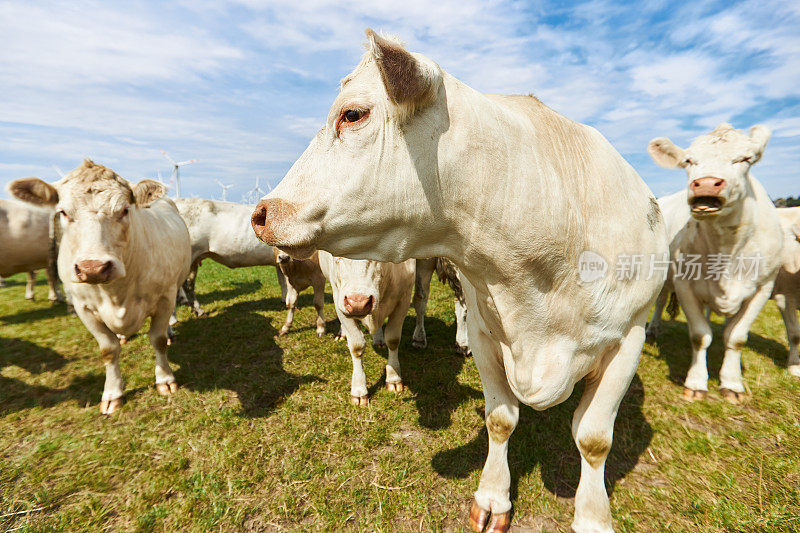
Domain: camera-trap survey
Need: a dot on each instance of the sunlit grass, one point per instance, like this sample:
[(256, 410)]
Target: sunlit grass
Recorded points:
[(262, 437)]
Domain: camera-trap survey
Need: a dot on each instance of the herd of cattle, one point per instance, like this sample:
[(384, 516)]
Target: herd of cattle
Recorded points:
[(415, 172)]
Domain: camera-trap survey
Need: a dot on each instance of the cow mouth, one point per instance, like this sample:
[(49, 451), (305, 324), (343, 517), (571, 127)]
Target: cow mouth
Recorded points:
[(703, 205)]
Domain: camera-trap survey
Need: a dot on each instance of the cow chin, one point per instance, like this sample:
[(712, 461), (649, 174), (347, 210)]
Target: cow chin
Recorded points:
[(297, 252)]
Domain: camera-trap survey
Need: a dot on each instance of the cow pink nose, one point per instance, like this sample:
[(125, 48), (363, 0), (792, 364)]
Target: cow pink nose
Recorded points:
[(268, 214), (707, 186), (91, 271), (358, 304)]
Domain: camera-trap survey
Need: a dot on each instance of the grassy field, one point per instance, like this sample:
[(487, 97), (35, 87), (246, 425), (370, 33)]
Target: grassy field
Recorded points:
[(262, 437)]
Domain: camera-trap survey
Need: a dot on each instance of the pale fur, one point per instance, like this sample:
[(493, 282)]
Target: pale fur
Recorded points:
[(787, 285), (25, 243), (390, 285), (150, 252), (221, 231), (298, 275), (746, 225), (512, 193)]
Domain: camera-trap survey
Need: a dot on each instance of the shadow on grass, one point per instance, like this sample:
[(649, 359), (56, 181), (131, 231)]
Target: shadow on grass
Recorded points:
[(674, 347), (244, 359), (40, 313), (544, 438), (16, 395)]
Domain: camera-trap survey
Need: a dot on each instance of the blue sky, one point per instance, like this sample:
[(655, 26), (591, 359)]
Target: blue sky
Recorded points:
[(242, 86)]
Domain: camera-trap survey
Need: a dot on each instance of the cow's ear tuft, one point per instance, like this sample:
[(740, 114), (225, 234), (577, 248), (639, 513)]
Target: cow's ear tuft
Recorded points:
[(759, 136), (148, 191), (665, 153), (34, 191), (410, 80)]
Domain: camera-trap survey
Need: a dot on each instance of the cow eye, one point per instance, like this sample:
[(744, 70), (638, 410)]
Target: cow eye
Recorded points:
[(351, 116), (125, 212), (688, 162), (743, 159)]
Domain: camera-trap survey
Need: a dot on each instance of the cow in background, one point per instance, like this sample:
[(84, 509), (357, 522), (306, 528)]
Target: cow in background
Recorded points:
[(448, 274), (787, 285), (221, 231), (299, 274), (25, 244), (734, 234), (123, 255), (370, 293)]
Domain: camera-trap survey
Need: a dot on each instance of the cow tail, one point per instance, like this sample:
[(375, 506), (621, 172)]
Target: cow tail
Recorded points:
[(54, 233), (673, 306), (448, 274)]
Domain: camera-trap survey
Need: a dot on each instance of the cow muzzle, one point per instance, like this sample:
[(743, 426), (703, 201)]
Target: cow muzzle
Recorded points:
[(705, 195), (93, 271), (358, 305), (269, 217)]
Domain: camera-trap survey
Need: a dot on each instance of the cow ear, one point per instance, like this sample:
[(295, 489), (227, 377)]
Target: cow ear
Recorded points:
[(665, 153), (148, 191), (759, 136), (34, 191), (410, 80)]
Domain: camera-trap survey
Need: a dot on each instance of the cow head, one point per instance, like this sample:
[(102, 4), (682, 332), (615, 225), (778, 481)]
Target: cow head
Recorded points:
[(358, 282), (367, 181), (96, 207), (718, 165)]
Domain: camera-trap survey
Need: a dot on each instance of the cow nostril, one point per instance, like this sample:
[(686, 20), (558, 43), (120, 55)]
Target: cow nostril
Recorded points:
[(718, 184), (106, 267), (259, 218)]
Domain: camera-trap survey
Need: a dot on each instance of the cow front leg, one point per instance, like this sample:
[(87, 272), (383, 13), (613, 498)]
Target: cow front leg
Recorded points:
[(394, 328), (114, 387), (319, 305), (422, 290), (593, 428), (356, 344), (29, 294), (737, 328), (492, 500), (696, 383), (788, 308), (159, 335), (291, 302)]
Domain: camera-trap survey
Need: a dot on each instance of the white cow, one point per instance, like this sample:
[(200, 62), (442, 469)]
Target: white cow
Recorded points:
[(413, 163), (124, 253), (25, 244), (221, 231), (299, 274), (735, 236), (676, 214), (370, 292), (787, 284), (448, 273)]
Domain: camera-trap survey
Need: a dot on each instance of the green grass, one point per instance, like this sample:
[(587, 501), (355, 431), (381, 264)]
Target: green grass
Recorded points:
[(261, 435)]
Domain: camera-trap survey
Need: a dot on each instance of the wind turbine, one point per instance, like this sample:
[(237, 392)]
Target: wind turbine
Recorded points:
[(176, 171), (254, 195), (224, 190)]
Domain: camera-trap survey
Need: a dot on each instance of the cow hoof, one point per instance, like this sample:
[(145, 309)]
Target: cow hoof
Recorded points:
[(320, 333), (378, 344), (283, 331), (478, 518), (396, 386), (166, 389), (794, 370), (692, 395), (123, 340), (199, 312), (731, 396), (108, 407), (361, 401), (340, 338), (419, 343)]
